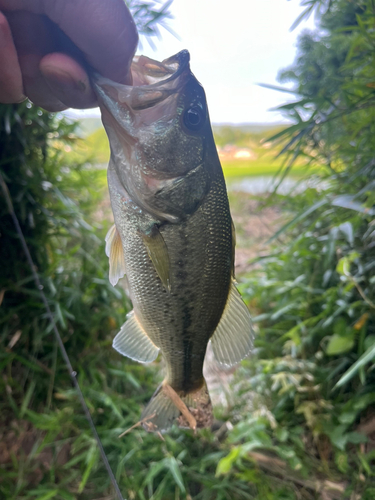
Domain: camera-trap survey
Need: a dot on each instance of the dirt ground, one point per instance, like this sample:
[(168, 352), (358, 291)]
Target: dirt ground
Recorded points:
[(254, 226)]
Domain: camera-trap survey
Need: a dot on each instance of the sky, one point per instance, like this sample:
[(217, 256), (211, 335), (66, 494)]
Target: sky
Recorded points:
[(234, 45)]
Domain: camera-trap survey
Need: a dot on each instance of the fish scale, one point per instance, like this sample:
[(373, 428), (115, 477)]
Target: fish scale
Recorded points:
[(173, 236), (201, 238)]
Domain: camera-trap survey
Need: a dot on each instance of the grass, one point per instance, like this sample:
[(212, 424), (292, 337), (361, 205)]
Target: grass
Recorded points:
[(264, 163), (255, 168), (46, 447)]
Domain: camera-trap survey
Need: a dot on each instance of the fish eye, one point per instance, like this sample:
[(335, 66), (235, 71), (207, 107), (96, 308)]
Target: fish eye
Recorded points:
[(194, 118)]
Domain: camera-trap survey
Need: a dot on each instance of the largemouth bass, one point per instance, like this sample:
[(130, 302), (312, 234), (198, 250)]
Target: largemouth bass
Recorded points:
[(173, 235)]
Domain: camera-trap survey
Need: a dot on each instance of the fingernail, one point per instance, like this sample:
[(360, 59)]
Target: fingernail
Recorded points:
[(62, 80)]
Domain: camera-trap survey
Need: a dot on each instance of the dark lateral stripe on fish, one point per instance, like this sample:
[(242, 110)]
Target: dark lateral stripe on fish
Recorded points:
[(187, 346)]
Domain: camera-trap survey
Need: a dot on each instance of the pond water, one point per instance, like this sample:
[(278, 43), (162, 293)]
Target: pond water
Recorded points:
[(266, 184)]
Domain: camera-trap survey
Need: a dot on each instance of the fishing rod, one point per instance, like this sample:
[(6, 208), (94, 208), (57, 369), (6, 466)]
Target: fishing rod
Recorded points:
[(72, 372)]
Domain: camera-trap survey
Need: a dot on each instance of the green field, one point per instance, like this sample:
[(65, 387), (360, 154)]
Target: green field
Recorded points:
[(254, 168), (264, 161)]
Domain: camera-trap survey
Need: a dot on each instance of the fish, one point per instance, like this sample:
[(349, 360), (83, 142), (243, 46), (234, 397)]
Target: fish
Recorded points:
[(173, 236)]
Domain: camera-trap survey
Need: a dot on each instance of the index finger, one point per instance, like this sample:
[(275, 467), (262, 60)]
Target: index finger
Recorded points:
[(103, 31)]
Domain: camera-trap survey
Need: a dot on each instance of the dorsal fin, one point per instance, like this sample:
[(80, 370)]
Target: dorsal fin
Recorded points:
[(232, 340), (115, 253), (132, 341)]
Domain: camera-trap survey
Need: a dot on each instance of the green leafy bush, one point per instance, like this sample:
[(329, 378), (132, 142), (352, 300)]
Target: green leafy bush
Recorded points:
[(302, 421), (312, 378)]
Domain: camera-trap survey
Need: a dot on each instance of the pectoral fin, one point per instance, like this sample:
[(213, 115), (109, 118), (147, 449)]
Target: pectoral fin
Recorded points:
[(233, 337), (158, 253), (132, 341), (115, 252)]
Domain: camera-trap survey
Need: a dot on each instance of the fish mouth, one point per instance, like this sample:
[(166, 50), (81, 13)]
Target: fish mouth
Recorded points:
[(151, 98), (148, 72), (143, 121)]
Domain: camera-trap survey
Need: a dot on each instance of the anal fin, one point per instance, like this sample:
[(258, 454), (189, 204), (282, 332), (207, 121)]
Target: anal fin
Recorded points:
[(115, 253), (232, 340), (132, 341)]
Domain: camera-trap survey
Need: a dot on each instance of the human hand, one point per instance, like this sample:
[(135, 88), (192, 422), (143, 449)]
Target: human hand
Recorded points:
[(45, 46)]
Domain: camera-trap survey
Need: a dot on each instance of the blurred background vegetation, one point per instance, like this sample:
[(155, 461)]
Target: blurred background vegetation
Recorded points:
[(297, 420)]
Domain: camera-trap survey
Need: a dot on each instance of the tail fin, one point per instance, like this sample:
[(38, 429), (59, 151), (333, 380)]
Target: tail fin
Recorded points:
[(167, 407)]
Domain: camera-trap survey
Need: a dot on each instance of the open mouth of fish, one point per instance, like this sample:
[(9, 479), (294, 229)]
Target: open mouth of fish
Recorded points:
[(156, 86), (156, 130)]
